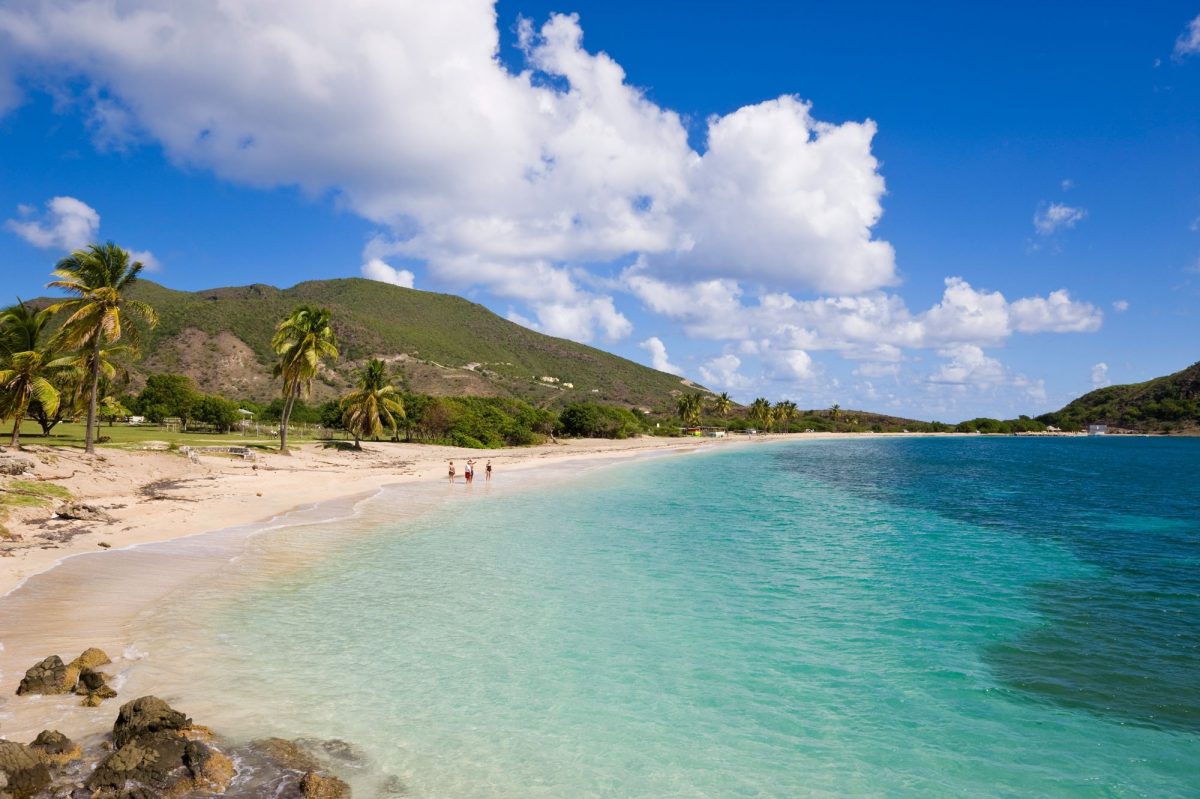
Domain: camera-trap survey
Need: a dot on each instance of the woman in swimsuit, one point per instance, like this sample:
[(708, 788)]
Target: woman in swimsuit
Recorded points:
[(487, 471), (451, 471)]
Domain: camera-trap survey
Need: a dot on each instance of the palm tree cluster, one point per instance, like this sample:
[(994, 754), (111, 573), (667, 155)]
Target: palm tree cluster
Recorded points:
[(62, 369), (690, 407), (303, 342)]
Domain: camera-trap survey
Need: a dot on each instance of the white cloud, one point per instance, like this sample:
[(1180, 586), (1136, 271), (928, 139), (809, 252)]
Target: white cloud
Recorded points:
[(564, 163), (722, 373), (1067, 184), (658, 355), (147, 259), (68, 224), (378, 269), (1194, 225), (1188, 42), (1100, 376), (1057, 216), (1057, 313), (968, 365), (1120, 306)]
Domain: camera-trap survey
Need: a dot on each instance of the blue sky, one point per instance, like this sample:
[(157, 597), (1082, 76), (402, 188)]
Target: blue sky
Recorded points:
[(973, 210)]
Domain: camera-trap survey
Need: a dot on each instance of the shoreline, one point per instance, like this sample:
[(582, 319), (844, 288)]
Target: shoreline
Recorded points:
[(55, 600)]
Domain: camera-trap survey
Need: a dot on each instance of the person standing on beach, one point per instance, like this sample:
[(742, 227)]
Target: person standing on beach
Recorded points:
[(469, 472), (487, 470), (451, 471)]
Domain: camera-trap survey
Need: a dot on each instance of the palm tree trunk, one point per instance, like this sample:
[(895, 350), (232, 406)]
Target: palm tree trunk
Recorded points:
[(283, 422), (89, 441), (16, 434)]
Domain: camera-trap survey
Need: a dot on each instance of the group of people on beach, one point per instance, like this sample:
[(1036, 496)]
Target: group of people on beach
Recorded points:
[(469, 472)]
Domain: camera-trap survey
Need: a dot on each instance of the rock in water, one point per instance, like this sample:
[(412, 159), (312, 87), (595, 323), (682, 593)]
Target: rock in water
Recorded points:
[(152, 759), (323, 786), (93, 685), (51, 676), (54, 748), (22, 772), (91, 658), (144, 715)]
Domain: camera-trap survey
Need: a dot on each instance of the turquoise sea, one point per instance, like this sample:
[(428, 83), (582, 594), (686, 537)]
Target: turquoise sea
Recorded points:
[(880, 617)]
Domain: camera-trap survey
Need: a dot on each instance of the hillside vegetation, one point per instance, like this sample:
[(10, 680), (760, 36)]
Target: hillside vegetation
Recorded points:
[(441, 344), (1169, 404)]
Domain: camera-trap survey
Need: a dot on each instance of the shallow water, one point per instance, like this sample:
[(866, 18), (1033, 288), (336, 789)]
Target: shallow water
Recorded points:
[(878, 617)]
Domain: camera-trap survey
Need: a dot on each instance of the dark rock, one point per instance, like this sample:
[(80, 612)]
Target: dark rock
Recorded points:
[(314, 785), (15, 466), (81, 511), (22, 772), (147, 714), (210, 770), (93, 686), (334, 748), (51, 676), (153, 759)]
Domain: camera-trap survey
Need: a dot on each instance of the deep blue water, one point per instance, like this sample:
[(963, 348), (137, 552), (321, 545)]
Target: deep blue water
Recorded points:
[(900, 617)]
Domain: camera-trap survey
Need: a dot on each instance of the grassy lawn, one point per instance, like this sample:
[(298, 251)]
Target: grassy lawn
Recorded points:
[(136, 437)]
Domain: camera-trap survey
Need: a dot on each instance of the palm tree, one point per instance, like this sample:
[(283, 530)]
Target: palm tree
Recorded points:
[(723, 404), (690, 407), (100, 313), (302, 342), (760, 412), (835, 411), (372, 406), (28, 364), (786, 411)]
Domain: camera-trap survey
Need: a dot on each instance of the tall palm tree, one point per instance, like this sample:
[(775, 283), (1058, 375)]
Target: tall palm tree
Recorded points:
[(374, 405), (760, 412), (785, 410), (302, 341), (835, 411), (100, 313), (690, 407), (723, 404), (27, 363)]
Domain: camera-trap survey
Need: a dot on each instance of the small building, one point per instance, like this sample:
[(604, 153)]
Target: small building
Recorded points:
[(1097, 429)]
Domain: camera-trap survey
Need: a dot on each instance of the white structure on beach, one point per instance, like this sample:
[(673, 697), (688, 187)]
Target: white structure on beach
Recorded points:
[(1097, 429)]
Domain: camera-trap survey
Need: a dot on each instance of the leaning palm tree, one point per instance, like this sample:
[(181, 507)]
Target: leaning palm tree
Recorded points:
[(372, 406), (27, 364), (302, 341), (100, 314), (723, 404)]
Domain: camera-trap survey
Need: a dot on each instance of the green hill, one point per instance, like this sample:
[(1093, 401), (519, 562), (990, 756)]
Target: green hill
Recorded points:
[(1169, 404), (439, 343)]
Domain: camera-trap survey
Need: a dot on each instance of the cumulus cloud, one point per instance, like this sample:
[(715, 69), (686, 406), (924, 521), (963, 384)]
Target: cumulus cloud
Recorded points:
[(968, 365), (1057, 216), (1188, 42), (722, 373), (658, 355), (148, 260), (871, 326), (560, 164), (1100, 376), (378, 269), (68, 224), (1120, 306)]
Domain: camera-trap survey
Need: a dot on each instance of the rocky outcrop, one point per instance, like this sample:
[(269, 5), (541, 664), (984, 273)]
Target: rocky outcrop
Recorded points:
[(55, 749), (81, 511), (22, 772), (154, 752), (91, 658), (51, 676), (145, 715), (15, 466), (93, 687), (314, 785)]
